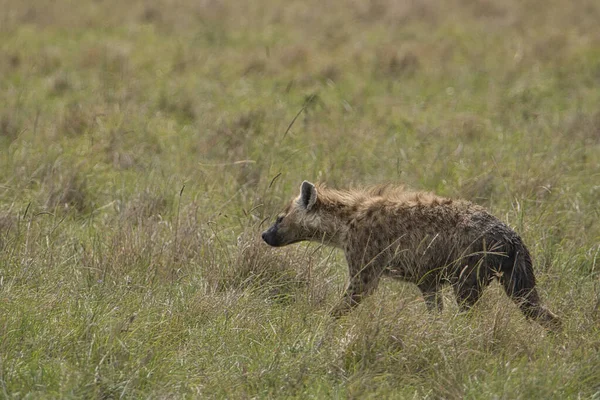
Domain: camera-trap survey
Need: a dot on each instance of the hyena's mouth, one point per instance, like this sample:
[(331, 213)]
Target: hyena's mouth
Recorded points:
[(271, 238)]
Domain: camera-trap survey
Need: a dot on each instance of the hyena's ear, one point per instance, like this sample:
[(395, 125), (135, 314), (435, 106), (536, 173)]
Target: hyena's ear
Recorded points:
[(308, 195)]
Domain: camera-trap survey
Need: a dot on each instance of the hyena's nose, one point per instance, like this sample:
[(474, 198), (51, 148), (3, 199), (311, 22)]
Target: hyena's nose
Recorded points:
[(264, 236)]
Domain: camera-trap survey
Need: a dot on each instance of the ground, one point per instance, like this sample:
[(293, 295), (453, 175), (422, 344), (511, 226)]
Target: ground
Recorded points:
[(144, 145)]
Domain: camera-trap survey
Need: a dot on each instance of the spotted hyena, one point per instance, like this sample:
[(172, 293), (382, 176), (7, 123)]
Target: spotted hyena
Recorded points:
[(416, 237)]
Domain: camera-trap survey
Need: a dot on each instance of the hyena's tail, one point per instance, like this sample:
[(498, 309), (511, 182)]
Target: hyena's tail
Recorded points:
[(518, 281)]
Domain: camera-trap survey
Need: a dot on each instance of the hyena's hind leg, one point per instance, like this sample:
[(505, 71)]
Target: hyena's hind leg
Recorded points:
[(433, 296), (470, 283), (467, 294)]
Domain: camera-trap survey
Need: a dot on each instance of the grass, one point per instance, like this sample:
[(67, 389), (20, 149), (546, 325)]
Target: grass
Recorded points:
[(144, 145)]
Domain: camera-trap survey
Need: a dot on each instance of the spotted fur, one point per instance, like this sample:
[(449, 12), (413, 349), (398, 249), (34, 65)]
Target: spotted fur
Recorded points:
[(416, 237)]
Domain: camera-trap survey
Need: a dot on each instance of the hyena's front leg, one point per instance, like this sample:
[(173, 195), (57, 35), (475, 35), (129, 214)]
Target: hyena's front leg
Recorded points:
[(359, 287), (363, 281), (432, 296)]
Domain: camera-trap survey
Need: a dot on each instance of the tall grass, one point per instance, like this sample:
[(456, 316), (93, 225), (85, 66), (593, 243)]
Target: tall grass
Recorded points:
[(145, 145)]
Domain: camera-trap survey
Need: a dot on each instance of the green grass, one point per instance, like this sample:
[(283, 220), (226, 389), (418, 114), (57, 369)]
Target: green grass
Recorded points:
[(143, 146)]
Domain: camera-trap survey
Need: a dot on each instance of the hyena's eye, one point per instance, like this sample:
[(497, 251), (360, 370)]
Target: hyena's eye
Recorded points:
[(279, 219)]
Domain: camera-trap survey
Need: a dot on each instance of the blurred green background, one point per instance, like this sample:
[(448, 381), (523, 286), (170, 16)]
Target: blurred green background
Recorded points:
[(145, 144)]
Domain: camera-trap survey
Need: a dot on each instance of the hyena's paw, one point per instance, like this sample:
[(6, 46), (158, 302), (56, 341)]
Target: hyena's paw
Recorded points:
[(345, 305), (547, 319), (343, 308)]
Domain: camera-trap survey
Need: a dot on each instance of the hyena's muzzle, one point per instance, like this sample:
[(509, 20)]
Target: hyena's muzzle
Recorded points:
[(273, 237), (281, 234)]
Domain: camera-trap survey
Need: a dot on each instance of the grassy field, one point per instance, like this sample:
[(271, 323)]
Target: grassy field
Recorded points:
[(144, 145)]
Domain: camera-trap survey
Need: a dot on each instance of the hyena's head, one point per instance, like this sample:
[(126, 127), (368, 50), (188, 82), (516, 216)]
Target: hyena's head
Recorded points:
[(299, 221)]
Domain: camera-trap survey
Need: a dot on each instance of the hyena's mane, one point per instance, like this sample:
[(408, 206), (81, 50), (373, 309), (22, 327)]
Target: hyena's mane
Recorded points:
[(391, 192), (332, 196)]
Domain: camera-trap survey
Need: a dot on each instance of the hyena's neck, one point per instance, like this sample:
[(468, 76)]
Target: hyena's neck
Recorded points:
[(333, 223)]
